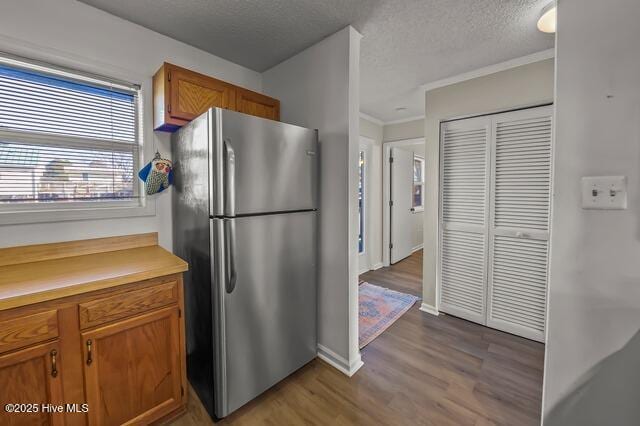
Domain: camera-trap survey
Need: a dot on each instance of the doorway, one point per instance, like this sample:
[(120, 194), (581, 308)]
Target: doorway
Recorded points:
[(365, 229), (403, 199)]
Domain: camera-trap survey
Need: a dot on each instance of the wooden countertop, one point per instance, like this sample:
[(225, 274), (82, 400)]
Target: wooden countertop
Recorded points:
[(38, 281)]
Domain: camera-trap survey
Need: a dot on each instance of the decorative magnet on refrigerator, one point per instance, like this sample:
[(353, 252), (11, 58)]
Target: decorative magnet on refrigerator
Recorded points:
[(157, 175)]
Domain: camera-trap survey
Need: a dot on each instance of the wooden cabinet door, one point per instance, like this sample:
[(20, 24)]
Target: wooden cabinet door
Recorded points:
[(192, 93), (31, 377), (132, 369), (257, 104)]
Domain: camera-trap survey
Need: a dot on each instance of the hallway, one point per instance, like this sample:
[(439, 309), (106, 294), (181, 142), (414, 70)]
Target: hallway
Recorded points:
[(405, 276)]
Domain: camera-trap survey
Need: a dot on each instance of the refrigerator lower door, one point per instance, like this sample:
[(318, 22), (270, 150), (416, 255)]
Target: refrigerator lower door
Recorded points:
[(268, 294)]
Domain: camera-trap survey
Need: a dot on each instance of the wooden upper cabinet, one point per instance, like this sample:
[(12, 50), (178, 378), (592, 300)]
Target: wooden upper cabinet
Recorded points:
[(193, 93), (257, 104), (132, 369), (31, 376), (180, 95)]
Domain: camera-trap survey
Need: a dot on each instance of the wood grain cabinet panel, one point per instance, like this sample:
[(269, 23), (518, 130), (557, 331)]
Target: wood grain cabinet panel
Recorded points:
[(133, 369), (257, 104), (31, 376), (193, 93), (180, 95), (122, 305), (26, 330)]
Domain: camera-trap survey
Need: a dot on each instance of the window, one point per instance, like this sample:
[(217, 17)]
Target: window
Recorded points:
[(361, 172), (418, 184), (67, 140)]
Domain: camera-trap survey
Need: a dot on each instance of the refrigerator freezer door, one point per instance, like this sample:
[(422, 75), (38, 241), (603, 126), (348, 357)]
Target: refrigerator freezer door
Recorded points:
[(269, 166), (269, 314)]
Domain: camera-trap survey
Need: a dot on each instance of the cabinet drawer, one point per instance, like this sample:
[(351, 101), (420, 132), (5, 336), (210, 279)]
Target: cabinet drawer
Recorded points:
[(126, 304), (26, 330)]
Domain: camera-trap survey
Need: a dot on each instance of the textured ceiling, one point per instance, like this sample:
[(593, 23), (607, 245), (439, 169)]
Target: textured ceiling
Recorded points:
[(406, 43)]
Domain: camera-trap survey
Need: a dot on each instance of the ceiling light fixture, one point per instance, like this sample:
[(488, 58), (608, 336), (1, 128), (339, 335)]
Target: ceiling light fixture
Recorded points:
[(548, 18)]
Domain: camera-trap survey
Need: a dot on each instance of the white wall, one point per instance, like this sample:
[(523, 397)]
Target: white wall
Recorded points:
[(69, 33), (318, 88), (594, 290), (373, 243), (522, 86), (405, 130), (371, 130)]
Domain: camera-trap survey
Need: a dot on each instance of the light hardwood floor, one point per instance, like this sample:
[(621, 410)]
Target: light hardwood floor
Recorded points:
[(423, 370)]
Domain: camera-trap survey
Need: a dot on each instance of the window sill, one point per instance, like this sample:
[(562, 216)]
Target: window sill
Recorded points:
[(17, 217)]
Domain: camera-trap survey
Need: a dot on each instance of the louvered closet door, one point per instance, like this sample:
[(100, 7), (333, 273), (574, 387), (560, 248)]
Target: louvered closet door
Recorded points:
[(519, 231), (464, 177)]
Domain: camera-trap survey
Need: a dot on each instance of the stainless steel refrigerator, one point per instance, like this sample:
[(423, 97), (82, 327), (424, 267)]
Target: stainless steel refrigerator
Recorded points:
[(244, 217)]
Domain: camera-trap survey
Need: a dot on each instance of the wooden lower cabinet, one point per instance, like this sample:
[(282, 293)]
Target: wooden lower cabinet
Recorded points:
[(120, 351), (32, 381), (132, 369)]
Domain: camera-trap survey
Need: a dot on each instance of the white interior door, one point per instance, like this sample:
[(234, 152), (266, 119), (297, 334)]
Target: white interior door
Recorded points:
[(464, 206), (519, 231), (401, 213)]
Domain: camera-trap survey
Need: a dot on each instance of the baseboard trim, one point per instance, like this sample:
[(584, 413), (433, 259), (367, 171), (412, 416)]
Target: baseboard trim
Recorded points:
[(429, 309), (377, 266), (338, 362), (416, 248)]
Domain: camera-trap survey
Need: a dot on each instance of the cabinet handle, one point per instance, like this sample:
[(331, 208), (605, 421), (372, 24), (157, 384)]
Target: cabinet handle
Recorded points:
[(89, 359), (54, 367)]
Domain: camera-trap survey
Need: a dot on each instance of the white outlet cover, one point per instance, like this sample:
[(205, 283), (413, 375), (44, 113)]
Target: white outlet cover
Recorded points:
[(604, 192)]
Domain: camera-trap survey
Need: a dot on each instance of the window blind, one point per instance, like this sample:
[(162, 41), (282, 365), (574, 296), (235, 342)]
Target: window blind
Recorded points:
[(66, 137)]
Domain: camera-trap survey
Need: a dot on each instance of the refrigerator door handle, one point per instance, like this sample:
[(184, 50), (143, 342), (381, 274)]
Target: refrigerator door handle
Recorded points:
[(230, 179), (230, 254)]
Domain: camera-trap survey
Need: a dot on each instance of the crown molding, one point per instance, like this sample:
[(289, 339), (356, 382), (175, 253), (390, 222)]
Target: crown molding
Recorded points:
[(372, 119), (491, 69), (480, 72), (405, 120)]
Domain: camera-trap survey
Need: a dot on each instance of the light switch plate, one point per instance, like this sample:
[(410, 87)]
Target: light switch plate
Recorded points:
[(604, 192)]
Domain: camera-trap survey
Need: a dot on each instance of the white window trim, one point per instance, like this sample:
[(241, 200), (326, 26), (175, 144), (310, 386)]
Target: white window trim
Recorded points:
[(420, 208), (78, 210)]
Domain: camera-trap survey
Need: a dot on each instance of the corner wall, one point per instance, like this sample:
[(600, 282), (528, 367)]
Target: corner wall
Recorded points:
[(319, 88), (526, 85), (592, 371)]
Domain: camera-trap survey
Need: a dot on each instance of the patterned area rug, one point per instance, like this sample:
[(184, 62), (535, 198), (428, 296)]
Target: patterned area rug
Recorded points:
[(379, 308)]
